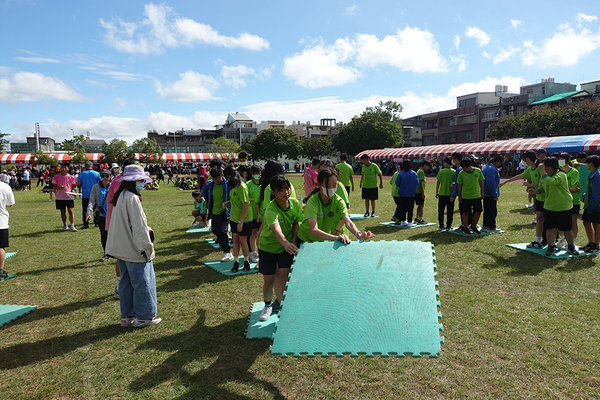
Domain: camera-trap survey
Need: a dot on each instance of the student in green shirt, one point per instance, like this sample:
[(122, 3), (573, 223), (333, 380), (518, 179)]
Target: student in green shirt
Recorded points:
[(276, 244), (470, 193), (584, 172), (346, 172), (396, 197), (420, 197), (368, 183), (443, 190), (199, 212), (240, 217), (564, 162), (253, 185)]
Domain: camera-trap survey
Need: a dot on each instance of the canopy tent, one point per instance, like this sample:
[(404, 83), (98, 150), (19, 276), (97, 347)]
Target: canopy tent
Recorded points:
[(97, 157), (570, 144)]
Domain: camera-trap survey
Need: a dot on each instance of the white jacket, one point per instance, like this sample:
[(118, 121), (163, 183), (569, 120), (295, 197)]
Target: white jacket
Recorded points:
[(129, 235)]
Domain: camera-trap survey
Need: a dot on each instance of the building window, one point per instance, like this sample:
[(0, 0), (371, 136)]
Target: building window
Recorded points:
[(490, 114), (466, 102)]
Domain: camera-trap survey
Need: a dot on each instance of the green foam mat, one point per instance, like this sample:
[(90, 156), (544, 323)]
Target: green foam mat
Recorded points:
[(364, 298), (558, 255), (260, 329), (212, 243), (8, 277), (225, 267), (458, 232), (9, 255), (357, 217), (9, 313), (395, 225), (206, 229)]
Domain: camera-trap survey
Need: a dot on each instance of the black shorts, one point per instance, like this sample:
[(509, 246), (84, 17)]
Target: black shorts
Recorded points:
[(246, 228), (62, 204), (419, 200), (268, 262), (561, 220), (594, 218), (370, 193), (576, 208), (3, 238), (539, 206), (468, 204), (25, 183), (347, 189), (256, 224)]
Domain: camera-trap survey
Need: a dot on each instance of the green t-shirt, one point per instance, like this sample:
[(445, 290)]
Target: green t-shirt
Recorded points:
[(285, 218), (370, 174), (253, 193), (446, 178), (200, 206), (217, 200), (341, 191), (421, 176), (558, 196), (345, 172), (584, 172), (393, 183), (572, 179), (535, 176), (471, 189), (266, 199), (327, 216), (238, 197)]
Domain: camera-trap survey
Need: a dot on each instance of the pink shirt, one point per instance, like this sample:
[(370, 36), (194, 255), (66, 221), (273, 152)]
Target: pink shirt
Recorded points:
[(112, 189), (310, 180), (67, 181)]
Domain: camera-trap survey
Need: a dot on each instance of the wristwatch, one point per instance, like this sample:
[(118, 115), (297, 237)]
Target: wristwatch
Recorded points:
[(240, 222)]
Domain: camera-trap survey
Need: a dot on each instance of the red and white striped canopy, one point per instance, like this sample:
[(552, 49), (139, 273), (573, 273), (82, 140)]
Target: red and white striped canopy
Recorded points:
[(96, 157)]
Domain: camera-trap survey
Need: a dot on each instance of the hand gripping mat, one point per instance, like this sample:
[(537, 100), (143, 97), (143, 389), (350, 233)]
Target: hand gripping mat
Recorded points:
[(198, 230), (356, 217), (225, 267), (558, 255), (9, 313), (260, 329), (395, 225), (370, 298)]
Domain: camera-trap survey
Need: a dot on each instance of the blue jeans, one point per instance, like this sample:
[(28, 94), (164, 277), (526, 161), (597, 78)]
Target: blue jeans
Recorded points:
[(137, 290)]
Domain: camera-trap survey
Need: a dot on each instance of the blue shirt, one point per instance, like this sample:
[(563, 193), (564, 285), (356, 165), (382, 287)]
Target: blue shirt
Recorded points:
[(491, 182), (407, 183), (88, 179), (455, 189)]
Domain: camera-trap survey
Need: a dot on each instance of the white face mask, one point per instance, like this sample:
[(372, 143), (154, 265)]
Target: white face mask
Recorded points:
[(562, 163), (139, 186), (328, 192)]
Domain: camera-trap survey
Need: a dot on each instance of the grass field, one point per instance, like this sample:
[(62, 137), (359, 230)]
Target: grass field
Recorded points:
[(516, 325)]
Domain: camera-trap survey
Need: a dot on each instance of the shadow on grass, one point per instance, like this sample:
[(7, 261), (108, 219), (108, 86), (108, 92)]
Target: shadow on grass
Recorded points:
[(524, 211), (35, 234), (234, 358), (521, 263)]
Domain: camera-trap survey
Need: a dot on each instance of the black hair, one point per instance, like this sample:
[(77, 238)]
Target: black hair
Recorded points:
[(466, 162), (552, 162), (216, 171), (272, 168), (495, 159), (316, 161), (242, 154), (364, 157), (566, 157), (457, 156), (196, 193), (128, 161), (582, 155), (254, 169), (128, 186), (215, 163), (344, 157), (448, 160), (234, 179), (324, 175), (65, 164), (427, 163), (279, 182), (593, 160), (541, 151), (407, 165), (531, 156), (328, 163)]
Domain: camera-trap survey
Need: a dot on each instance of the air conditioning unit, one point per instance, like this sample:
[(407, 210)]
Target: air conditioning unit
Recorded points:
[(511, 108)]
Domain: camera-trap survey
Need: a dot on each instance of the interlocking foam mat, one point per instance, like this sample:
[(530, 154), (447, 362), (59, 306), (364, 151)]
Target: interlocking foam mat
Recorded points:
[(7, 256), (456, 231), (225, 267), (260, 329), (558, 255), (9, 313), (212, 243), (395, 225), (198, 230), (357, 217), (364, 298)]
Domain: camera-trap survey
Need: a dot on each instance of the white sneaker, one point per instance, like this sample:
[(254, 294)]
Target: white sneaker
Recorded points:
[(534, 220), (561, 243), (404, 224), (140, 323), (64, 228), (265, 313), (253, 257), (116, 294), (73, 229), (227, 257)]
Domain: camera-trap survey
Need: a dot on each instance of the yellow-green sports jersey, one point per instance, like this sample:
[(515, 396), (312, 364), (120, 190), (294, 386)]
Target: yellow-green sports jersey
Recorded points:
[(217, 200), (370, 174), (558, 196), (345, 172), (239, 196), (421, 176), (285, 218), (471, 189), (327, 216), (253, 193), (393, 183), (266, 199), (341, 191), (535, 176), (446, 178), (573, 179)]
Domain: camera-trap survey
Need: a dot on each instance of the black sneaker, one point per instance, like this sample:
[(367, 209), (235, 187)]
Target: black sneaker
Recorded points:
[(373, 214), (594, 249), (544, 243), (534, 245), (366, 214), (276, 306), (3, 275), (477, 231), (550, 251), (586, 247), (571, 250), (467, 231), (441, 228), (246, 266), (236, 267)]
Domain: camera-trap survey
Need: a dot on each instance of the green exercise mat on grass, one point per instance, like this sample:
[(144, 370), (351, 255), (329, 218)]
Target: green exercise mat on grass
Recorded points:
[(558, 255), (260, 329), (198, 230), (9, 313), (395, 225), (9, 255), (357, 217), (371, 298), (212, 243), (225, 267)]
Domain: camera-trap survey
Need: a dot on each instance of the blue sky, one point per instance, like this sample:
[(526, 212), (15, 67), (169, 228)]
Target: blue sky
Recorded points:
[(120, 68)]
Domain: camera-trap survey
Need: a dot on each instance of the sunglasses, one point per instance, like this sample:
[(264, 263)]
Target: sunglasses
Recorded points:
[(104, 176)]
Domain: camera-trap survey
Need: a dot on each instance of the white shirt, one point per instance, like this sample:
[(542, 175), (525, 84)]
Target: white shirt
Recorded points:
[(6, 199)]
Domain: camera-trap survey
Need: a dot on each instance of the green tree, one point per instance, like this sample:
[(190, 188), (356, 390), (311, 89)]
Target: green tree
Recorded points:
[(224, 145), (40, 158), (115, 152), (150, 150), (317, 147), (388, 111), (76, 149), (273, 143)]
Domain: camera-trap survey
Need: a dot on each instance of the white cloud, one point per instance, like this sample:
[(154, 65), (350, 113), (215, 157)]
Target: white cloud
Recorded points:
[(32, 87), (351, 10), (485, 54), (235, 75), (456, 42), (474, 32), (191, 87), (515, 23), (581, 17), (37, 60), (162, 28), (505, 54), (319, 66), (92, 82), (121, 101), (565, 48), (461, 61)]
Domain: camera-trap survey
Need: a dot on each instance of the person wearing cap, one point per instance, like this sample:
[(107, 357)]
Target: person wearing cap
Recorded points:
[(97, 207), (86, 180), (115, 169), (129, 241)]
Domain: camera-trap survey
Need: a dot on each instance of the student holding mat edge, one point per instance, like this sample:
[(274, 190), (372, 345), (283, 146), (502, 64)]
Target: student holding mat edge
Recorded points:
[(240, 217)]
